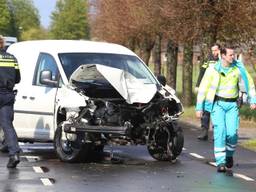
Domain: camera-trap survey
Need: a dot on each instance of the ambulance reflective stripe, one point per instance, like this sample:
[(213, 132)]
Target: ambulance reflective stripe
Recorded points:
[(220, 154), (221, 87), (231, 147), (228, 95), (219, 151)]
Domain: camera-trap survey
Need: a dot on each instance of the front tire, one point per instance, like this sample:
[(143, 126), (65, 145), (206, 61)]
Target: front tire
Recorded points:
[(167, 143), (70, 151)]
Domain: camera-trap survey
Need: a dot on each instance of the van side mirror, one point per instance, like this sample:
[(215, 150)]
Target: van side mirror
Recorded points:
[(46, 78), (161, 79)]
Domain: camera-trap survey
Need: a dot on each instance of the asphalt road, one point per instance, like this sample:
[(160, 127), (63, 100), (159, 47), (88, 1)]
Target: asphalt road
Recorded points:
[(40, 170)]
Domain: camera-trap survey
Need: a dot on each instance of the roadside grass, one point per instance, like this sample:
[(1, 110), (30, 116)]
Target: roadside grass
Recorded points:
[(189, 115), (251, 144)]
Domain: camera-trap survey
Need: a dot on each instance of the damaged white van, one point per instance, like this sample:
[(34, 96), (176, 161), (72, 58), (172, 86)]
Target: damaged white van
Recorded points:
[(82, 95)]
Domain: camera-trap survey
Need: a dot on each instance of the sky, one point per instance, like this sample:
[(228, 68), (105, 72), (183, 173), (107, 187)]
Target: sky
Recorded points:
[(45, 7)]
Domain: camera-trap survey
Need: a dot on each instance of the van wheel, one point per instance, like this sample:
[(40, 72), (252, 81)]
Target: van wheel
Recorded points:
[(167, 143), (70, 151)]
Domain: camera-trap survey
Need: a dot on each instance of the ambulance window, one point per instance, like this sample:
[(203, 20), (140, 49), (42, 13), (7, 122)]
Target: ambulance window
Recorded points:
[(45, 63)]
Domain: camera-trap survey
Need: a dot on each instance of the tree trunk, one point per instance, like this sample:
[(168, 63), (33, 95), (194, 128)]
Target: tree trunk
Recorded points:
[(171, 63), (157, 55), (131, 44), (187, 73), (146, 47)]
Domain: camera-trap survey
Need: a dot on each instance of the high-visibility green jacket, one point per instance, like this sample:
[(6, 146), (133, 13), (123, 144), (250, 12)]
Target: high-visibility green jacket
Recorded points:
[(224, 84)]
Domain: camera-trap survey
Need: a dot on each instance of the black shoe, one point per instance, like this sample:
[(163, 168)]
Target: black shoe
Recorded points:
[(4, 149), (203, 137), (229, 162), (13, 161), (221, 168)]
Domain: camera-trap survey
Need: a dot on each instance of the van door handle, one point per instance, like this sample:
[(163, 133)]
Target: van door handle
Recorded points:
[(24, 97), (32, 98)]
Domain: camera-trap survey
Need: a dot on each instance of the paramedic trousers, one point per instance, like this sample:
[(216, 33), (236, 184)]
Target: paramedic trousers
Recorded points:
[(225, 119), (6, 117)]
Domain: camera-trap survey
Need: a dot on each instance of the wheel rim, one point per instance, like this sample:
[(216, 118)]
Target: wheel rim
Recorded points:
[(160, 149), (68, 147)]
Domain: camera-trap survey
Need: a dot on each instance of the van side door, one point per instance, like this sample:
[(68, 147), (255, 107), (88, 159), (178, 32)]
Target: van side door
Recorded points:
[(34, 110)]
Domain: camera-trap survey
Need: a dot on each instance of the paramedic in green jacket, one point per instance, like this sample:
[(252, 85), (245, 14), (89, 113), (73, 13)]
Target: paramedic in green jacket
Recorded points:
[(218, 93)]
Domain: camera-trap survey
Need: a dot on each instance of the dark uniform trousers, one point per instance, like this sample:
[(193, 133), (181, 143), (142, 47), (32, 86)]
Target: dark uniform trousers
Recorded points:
[(7, 99), (205, 120)]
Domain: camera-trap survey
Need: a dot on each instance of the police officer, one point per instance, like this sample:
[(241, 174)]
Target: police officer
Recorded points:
[(205, 120), (217, 94), (9, 75)]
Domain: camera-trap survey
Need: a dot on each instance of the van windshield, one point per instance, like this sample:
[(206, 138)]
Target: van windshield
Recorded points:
[(131, 64)]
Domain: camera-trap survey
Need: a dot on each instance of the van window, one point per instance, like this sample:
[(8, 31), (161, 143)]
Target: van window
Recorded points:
[(45, 62), (129, 63)]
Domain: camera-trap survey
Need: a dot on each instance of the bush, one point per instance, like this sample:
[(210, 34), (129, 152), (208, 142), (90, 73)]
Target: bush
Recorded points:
[(247, 113)]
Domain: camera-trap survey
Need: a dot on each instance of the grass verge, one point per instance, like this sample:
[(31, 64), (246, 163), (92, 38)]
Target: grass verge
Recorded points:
[(251, 144)]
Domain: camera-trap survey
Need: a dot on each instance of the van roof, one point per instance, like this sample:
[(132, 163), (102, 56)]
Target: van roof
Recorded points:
[(70, 46)]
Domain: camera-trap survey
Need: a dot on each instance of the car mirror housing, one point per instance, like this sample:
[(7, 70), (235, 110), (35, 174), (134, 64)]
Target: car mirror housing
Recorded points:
[(46, 78), (161, 79)]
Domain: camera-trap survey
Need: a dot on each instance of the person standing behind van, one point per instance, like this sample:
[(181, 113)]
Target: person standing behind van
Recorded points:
[(9, 76), (205, 119)]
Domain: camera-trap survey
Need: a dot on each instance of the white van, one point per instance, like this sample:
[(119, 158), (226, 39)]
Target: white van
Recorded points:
[(82, 95)]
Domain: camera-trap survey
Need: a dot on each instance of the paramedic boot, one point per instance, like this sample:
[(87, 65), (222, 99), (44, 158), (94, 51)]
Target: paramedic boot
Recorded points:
[(204, 135)]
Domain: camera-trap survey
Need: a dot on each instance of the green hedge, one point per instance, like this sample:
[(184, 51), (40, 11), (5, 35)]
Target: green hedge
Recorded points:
[(247, 113)]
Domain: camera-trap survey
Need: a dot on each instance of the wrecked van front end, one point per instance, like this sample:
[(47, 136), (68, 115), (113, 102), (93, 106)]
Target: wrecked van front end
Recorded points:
[(121, 103)]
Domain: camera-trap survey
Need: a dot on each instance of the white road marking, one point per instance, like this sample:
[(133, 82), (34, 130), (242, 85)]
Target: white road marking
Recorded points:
[(243, 177), (46, 181), (184, 149), (31, 158), (38, 169), (196, 155), (213, 164)]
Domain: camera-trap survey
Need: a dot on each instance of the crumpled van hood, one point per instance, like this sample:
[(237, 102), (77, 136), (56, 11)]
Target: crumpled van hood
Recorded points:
[(132, 89)]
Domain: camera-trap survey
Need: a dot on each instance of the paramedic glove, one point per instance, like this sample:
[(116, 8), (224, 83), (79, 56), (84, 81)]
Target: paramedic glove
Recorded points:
[(199, 114)]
